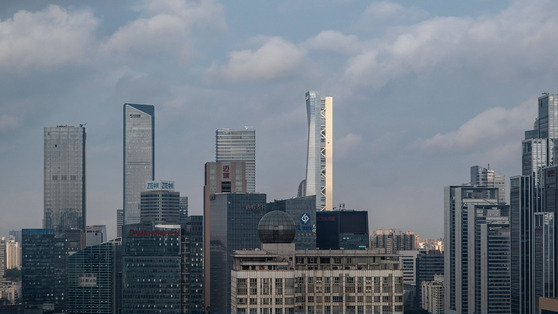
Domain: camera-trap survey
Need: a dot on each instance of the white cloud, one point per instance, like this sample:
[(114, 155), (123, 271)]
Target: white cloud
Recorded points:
[(166, 27), (491, 129), (382, 13), (45, 39), (334, 41), (275, 58), (525, 35)]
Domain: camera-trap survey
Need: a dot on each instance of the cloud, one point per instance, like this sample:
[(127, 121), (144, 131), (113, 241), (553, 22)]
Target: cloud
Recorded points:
[(485, 45), (491, 129), (166, 28), (334, 41), (275, 58), (45, 39), (382, 13)]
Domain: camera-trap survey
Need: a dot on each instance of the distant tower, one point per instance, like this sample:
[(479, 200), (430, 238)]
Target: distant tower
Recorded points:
[(139, 156), (160, 204), (319, 161), (220, 177), (481, 176), (64, 178), (238, 145)]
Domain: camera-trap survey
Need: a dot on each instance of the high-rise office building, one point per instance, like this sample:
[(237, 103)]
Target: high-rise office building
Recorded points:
[(481, 176), (95, 234), (220, 177), (429, 264), (160, 204), (64, 178), (42, 270), (139, 156), (234, 226), (93, 279), (319, 160), (342, 229), (238, 145), (192, 265), (303, 211), (532, 210), (477, 251), (151, 269)]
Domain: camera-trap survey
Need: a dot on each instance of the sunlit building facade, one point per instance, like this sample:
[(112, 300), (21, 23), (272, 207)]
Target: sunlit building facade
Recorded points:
[(319, 160)]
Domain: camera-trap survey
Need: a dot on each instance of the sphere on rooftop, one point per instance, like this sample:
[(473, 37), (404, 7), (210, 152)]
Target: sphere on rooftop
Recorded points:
[(277, 227)]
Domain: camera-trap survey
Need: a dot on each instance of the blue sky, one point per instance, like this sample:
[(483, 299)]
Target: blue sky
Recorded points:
[(422, 91)]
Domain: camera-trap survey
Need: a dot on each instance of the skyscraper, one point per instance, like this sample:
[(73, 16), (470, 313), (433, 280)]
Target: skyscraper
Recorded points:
[(238, 145), (319, 160), (139, 156), (477, 251), (220, 177), (160, 204), (532, 211), (64, 178), (481, 176), (234, 226)]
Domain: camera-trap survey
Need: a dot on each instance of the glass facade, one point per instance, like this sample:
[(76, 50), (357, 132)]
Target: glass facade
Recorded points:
[(139, 156), (92, 281), (64, 178), (151, 269), (319, 160), (192, 265), (303, 211), (238, 145), (234, 226), (342, 230), (43, 262)]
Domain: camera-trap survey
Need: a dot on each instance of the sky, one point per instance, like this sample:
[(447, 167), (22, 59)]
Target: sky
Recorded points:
[(422, 91)]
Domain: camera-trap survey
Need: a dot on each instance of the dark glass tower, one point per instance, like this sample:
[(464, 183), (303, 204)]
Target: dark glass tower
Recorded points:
[(234, 226), (346, 229), (151, 269), (93, 280), (42, 270)]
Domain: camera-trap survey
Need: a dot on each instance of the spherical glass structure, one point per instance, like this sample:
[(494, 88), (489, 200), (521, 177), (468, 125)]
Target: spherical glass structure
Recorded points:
[(276, 227)]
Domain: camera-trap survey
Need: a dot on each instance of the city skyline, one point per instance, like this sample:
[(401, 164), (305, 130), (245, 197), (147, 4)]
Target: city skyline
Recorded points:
[(422, 92)]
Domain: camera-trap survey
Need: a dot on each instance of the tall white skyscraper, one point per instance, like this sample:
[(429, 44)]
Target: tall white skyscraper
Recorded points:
[(139, 156), (319, 160), (64, 178), (238, 145)]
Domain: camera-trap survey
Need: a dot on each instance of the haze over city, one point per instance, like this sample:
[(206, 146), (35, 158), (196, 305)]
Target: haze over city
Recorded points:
[(422, 91)]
